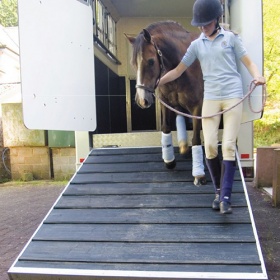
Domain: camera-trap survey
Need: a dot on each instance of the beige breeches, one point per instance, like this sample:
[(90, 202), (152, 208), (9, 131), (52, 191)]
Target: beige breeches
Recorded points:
[(231, 125)]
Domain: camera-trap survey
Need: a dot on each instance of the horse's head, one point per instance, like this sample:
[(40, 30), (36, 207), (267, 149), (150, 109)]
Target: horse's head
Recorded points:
[(147, 60)]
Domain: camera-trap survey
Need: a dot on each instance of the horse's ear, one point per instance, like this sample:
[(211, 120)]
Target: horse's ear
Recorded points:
[(147, 35), (130, 38)]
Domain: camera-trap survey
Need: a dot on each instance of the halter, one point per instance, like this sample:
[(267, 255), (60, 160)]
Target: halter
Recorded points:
[(161, 69)]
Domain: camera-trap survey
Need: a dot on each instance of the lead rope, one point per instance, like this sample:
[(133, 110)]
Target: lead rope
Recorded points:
[(248, 94)]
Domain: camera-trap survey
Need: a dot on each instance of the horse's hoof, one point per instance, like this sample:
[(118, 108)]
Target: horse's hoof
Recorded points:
[(199, 181), (183, 148), (171, 164)]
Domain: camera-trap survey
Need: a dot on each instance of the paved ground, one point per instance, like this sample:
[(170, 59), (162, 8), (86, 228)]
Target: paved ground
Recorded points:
[(23, 207), (267, 219)]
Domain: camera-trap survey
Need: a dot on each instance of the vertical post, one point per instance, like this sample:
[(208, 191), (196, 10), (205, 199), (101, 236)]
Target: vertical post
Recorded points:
[(276, 178), (82, 146), (264, 166), (128, 103)]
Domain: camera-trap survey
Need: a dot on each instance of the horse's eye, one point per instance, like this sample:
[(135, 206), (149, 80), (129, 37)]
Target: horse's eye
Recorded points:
[(151, 62)]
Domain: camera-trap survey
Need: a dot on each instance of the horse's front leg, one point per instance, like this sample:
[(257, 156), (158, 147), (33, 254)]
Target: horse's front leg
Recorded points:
[(182, 136), (166, 139), (197, 155)]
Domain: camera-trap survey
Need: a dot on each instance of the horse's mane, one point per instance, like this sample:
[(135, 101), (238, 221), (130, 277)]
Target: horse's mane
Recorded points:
[(165, 26)]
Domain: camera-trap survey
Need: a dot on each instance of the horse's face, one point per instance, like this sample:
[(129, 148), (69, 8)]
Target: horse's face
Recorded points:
[(147, 65)]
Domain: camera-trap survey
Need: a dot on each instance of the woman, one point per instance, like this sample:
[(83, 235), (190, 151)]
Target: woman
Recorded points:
[(217, 51)]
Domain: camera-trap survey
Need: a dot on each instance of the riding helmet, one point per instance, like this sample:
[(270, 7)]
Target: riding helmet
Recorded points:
[(205, 11)]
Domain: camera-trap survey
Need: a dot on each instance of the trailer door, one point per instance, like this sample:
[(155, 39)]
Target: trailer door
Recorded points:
[(57, 64), (247, 20)]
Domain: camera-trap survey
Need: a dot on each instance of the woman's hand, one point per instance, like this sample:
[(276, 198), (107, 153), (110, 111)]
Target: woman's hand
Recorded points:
[(259, 81)]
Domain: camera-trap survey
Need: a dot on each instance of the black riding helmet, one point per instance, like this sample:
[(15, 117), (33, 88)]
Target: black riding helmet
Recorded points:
[(205, 11)]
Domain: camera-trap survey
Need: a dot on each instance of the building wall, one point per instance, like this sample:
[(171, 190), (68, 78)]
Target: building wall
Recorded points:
[(4, 165), (15, 133), (42, 163), (30, 158), (9, 65), (30, 163), (64, 162)]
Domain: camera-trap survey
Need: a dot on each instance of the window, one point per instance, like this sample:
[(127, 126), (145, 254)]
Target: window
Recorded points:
[(112, 35), (100, 21), (105, 30)]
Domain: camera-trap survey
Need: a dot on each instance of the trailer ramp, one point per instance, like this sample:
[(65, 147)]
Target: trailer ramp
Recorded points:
[(124, 216)]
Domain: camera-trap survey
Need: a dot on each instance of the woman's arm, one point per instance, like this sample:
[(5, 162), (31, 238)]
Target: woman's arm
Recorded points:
[(173, 74), (253, 70)]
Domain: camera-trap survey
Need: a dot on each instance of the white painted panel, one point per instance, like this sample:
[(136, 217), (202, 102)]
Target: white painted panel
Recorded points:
[(57, 64), (246, 19)]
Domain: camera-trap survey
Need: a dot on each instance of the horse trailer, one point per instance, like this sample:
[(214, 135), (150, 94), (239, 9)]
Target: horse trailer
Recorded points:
[(78, 75), (122, 215)]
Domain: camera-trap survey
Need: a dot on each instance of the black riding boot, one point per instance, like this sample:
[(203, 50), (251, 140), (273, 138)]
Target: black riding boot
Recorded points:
[(214, 167), (228, 170)]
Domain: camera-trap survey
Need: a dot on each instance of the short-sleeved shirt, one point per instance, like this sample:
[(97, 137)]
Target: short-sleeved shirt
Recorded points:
[(218, 63)]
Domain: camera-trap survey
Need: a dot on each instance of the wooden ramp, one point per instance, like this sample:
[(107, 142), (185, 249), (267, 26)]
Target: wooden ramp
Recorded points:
[(124, 216)]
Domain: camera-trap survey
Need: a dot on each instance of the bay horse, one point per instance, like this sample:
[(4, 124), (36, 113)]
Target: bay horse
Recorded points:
[(156, 50)]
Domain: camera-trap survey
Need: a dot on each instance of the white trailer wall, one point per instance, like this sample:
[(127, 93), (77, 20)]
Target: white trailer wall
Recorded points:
[(247, 20)]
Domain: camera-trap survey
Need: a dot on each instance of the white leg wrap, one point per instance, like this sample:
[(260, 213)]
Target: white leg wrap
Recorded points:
[(167, 147), (181, 129), (197, 161)]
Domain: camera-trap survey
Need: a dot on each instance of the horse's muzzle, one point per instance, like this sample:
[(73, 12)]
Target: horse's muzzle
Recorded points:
[(144, 96), (143, 103)]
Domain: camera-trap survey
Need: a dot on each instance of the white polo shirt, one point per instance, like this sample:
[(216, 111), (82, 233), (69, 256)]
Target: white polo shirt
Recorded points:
[(218, 62)]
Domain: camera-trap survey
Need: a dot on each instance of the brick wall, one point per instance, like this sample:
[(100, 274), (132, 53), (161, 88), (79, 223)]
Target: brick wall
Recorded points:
[(30, 156), (30, 163), (64, 163), (42, 163)]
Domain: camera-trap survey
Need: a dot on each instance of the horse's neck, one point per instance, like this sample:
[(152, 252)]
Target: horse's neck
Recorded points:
[(172, 51)]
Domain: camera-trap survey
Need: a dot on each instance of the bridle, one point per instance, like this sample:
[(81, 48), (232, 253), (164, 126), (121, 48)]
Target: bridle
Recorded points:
[(161, 70)]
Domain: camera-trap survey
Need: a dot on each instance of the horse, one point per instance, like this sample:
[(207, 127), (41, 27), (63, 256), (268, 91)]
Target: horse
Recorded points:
[(157, 49)]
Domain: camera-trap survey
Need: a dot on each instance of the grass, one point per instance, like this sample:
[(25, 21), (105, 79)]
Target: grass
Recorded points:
[(267, 129), (18, 183)]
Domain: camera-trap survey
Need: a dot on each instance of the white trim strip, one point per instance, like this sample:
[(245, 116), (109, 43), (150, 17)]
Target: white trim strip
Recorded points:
[(138, 274), (252, 217)]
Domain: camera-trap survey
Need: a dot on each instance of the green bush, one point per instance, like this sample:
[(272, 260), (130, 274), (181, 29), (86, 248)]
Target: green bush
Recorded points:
[(8, 13), (267, 129)]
